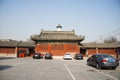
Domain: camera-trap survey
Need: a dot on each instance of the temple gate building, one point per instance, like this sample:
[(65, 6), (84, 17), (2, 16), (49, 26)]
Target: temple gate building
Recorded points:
[(57, 42)]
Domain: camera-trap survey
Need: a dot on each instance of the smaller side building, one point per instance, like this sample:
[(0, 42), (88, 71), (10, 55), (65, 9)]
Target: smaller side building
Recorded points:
[(12, 48), (88, 49), (8, 48)]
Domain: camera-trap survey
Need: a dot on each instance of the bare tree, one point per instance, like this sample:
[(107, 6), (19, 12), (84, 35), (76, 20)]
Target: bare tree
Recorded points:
[(110, 40)]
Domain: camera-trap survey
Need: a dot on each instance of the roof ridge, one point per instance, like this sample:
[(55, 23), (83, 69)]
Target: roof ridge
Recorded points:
[(47, 31)]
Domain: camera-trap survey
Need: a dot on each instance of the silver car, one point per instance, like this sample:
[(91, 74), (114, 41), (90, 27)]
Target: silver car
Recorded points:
[(67, 56), (103, 61)]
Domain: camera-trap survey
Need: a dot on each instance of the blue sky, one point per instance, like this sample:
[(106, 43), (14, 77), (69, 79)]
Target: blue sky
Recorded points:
[(94, 19)]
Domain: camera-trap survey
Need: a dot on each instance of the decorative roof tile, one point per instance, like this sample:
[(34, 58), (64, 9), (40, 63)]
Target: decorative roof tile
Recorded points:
[(100, 45), (57, 35), (9, 43), (16, 44)]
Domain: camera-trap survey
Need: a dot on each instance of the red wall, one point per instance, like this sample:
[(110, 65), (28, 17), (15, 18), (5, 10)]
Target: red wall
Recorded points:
[(91, 51), (102, 50), (57, 49), (7, 50), (108, 51)]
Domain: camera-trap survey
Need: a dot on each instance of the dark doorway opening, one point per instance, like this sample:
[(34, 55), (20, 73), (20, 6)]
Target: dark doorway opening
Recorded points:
[(117, 53), (83, 51), (31, 51), (21, 53)]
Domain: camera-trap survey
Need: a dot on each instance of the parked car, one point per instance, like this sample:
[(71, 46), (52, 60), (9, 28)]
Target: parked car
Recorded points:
[(37, 56), (67, 56), (103, 61), (48, 56), (78, 56)]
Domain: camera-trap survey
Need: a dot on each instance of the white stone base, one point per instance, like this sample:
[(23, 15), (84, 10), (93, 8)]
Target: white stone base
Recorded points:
[(7, 55)]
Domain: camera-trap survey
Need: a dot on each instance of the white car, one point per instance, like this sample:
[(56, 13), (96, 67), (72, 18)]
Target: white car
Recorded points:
[(67, 56)]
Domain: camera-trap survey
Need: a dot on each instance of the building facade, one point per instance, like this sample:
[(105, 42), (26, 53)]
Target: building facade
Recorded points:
[(12, 48), (57, 42), (88, 49)]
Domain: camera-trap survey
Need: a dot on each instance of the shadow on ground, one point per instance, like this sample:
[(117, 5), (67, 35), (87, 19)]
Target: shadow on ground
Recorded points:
[(4, 67), (4, 58)]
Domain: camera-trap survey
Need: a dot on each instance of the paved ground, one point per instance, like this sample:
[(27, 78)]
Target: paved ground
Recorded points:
[(56, 69)]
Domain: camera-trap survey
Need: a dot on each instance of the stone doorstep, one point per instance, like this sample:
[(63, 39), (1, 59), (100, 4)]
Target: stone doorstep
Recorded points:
[(57, 57), (61, 57), (7, 55)]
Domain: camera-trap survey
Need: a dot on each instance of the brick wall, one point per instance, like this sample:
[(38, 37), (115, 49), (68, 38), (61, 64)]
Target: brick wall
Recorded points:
[(57, 49), (110, 51), (7, 50)]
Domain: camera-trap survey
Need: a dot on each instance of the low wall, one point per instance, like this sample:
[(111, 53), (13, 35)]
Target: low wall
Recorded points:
[(8, 55)]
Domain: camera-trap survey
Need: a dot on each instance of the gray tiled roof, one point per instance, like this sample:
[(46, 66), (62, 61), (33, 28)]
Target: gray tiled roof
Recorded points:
[(57, 35), (31, 44), (9, 43), (16, 44), (26, 44), (100, 45)]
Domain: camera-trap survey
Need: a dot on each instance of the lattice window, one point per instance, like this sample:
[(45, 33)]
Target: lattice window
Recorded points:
[(71, 47), (42, 47), (57, 47)]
